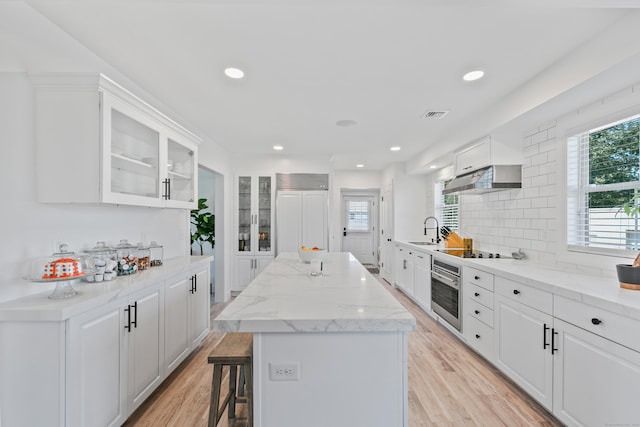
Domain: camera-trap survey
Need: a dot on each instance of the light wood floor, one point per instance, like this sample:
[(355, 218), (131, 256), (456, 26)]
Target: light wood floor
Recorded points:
[(449, 385)]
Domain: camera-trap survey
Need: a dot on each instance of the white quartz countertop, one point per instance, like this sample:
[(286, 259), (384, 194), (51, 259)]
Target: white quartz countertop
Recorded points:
[(286, 298), (39, 307), (599, 291)]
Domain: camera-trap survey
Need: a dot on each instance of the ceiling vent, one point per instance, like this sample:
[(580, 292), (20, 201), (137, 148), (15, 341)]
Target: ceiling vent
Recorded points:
[(435, 115)]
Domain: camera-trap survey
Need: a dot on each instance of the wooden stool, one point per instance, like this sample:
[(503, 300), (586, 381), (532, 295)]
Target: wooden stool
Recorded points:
[(235, 351)]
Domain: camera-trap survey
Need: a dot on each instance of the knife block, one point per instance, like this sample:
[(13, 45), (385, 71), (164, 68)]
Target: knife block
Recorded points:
[(453, 241)]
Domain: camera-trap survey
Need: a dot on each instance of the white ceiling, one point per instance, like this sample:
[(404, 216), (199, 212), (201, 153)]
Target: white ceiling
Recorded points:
[(311, 63)]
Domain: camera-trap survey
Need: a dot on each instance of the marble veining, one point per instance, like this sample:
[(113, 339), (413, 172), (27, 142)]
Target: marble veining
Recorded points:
[(286, 298)]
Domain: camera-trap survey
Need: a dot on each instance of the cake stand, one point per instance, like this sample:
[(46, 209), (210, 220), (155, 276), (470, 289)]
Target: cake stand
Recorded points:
[(63, 284)]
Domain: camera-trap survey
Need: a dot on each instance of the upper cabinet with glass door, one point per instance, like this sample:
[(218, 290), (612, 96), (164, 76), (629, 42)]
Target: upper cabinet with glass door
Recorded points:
[(98, 143)]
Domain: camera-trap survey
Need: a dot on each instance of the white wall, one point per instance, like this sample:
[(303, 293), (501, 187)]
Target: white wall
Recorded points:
[(534, 217), (30, 229), (31, 43)]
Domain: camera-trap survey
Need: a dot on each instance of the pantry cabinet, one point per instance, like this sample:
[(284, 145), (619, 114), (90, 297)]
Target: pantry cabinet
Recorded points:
[(98, 143), (254, 219)]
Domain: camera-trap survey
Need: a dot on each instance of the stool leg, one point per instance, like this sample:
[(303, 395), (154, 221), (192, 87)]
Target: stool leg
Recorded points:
[(248, 372), (241, 382), (233, 374), (214, 415)]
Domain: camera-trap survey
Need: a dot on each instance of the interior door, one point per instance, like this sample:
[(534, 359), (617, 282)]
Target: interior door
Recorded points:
[(358, 232)]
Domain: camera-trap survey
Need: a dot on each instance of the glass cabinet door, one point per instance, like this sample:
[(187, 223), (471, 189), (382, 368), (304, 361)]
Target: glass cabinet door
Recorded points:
[(181, 168), (135, 157), (245, 218), (264, 214)]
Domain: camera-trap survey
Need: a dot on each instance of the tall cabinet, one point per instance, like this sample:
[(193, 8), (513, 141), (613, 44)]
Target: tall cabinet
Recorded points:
[(254, 226), (386, 233), (302, 219)]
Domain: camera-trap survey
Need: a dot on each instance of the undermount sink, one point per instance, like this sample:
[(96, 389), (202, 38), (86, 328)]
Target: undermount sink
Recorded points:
[(423, 243)]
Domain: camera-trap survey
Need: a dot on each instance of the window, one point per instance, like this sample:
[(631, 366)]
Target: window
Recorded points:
[(603, 176), (446, 206), (358, 216)]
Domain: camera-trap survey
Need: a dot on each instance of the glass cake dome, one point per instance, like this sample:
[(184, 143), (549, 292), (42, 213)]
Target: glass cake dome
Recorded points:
[(62, 267)]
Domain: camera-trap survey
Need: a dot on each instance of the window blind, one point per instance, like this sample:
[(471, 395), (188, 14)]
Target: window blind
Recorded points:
[(603, 166), (446, 207)]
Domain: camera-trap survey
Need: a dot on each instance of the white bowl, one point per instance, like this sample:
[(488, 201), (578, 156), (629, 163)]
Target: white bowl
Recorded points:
[(309, 255)]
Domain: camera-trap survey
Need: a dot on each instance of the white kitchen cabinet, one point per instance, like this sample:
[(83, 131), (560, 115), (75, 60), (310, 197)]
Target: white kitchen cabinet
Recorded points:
[(115, 359), (404, 271), (187, 318), (386, 233), (522, 335), (247, 268), (596, 365), (302, 219), (422, 280), (478, 303), (98, 143), (255, 201), (96, 385), (105, 351), (199, 307), (484, 152)]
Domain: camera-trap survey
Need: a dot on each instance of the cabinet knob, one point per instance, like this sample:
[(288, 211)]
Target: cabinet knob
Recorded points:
[(476, 294), (477, 277), (476, 311), (596, 321), (516, 292), (477, 336)]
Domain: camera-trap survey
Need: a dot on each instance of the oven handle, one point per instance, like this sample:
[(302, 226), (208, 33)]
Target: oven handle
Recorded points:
[(447, 281)]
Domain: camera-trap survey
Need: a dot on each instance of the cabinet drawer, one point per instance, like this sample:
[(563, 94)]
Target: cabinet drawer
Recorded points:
[(478, 277), (423, 260), (525, 294), (476, 293), (607, 324), (479, 336), (480, 312)]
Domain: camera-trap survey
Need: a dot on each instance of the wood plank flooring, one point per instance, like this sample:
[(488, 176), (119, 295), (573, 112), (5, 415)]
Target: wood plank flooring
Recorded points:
[(449, 385)]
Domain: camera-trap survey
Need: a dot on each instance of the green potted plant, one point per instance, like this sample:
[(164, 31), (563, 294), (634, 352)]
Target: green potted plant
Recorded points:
[(203, 223), (629, 274)]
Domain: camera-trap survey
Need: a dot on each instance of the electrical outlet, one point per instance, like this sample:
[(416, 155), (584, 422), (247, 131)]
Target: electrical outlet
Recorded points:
[(284, 371)]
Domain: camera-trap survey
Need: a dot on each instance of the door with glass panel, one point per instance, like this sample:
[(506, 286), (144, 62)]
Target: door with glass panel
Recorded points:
[(359, 227)]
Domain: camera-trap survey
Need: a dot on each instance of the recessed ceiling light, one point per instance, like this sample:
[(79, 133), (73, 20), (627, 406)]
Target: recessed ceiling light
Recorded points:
[(395, 148), (360, 165), (432, 167), (234, 73), (473, 75), (278, 147), (346, 123)]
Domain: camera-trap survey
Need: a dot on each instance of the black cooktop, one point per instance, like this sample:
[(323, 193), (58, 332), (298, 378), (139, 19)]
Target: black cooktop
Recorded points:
[(459, 252)]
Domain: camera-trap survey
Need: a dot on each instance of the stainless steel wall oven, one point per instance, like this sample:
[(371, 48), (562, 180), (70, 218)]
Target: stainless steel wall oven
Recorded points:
[(446, 296)]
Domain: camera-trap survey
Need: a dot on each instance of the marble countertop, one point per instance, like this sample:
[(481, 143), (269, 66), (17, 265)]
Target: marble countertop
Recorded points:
[(286, 298), (39, 307), (599, 291)]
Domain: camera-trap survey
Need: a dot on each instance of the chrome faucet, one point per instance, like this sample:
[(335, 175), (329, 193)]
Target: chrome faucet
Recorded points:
[(437, 227)]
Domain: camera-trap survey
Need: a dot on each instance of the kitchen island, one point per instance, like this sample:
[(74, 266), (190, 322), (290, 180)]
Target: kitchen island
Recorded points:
[(340, 340)]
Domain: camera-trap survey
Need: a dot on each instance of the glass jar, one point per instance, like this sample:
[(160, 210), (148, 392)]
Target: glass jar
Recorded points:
[(156, 251), (103, 258), (126, 258), (143, 254)]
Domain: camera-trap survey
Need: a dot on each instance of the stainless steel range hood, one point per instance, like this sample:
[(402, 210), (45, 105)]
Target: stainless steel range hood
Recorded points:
[(490, 178)]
